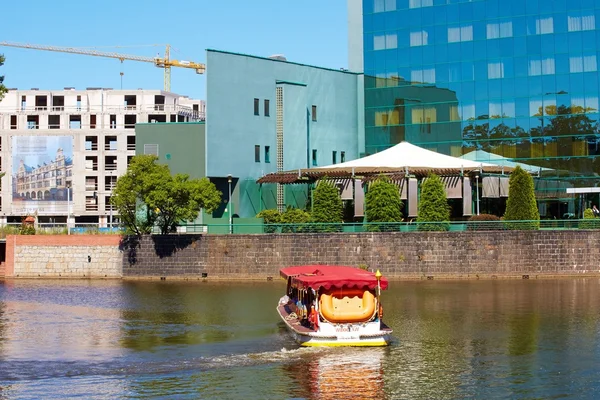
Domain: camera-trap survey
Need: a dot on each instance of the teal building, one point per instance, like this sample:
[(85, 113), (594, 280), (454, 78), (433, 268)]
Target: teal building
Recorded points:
[(266, 115), (510, 78)]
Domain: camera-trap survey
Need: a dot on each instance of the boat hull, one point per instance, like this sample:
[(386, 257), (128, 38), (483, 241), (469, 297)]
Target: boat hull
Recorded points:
[(374, 334)]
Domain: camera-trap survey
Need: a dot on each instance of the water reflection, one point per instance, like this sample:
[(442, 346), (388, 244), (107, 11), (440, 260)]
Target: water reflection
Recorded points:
[(346, 374)]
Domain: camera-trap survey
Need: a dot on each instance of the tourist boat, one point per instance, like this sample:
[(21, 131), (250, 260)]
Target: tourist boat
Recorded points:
[(327, 305)]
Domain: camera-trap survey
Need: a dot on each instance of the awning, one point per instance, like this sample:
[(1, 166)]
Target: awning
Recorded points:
[(396, 162), (331, 276)]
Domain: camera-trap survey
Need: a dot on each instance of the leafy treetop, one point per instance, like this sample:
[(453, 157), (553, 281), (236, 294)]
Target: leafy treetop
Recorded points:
[(148, 195)]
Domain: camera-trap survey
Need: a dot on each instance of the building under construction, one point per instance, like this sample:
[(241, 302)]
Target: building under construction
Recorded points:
[(65, 149)]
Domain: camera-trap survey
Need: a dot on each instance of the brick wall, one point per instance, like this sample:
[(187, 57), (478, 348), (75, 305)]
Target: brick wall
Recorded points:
[(397, 254), (67, 256)]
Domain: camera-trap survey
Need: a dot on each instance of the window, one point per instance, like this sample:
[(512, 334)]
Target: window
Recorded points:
[(342, 156), (13, 122), (130, 121), (460, 34), (53, 121), (33, 122), (495, 70), (314, 157), (384, 5), (314, 113), (499, 30), (151, 149), (581, 23), (418, 38), (422, 76), (23, 103), (78, 103), (424, 116), (113, 121), (383, 42), (267, 108), (267, 154), (257, 153), (419, 3), (256, 106), (93, 121), (334, 157), (583, 64), (542, 26), (543, 66)]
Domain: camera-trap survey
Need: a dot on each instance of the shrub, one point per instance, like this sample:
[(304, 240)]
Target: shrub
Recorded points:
[(589, 220), (271, 218), (27, 229), (521, 204), (294, 220), (433, 205), (327, 206), (383, 205), (484, 222)]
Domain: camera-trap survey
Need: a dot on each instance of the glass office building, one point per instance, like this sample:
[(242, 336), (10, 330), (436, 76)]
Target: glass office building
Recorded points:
[(488, 79)]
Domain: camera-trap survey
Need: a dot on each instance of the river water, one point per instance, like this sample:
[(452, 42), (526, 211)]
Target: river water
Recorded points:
[(453, 339)]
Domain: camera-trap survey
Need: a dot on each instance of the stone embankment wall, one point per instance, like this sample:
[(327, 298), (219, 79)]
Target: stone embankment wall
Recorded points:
[(421, 255), (65, 256)]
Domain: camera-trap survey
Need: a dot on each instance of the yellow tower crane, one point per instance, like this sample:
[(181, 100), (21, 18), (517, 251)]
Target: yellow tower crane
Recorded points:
[(161, 62)]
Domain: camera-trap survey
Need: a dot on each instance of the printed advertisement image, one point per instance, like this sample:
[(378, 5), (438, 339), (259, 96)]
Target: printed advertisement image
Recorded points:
[(42, 174)]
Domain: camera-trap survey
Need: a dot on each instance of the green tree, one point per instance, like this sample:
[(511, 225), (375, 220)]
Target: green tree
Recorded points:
[(521, 204), (2, 87), (148, 195), (327, 203), (433, 205), (383, 204)]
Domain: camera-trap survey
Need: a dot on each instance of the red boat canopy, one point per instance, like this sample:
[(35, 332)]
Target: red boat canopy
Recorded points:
[(331, 276)]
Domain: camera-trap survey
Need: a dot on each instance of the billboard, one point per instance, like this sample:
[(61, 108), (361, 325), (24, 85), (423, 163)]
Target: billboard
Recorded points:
[(42, 174)]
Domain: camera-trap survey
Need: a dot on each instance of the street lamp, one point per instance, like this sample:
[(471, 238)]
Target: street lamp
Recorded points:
[(477, 188), (229, 205), (68, 207)]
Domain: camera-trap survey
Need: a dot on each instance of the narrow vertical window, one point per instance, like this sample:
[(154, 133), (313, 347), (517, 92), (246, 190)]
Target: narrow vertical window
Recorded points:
[(342, 156), (13, 122), (334, 157), (257, 153), (256, 106), (78, 103), (314, 114), (267, 108), (267, 154), (314, 157)]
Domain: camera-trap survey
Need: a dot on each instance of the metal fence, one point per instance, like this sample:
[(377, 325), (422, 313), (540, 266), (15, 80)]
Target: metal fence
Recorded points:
[(453, 226), (220, 229)]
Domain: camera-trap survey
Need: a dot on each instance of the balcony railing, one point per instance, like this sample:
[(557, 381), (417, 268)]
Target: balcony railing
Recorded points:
[(111, 109)]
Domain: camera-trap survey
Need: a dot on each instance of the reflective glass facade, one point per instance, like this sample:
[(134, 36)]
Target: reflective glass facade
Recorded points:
[(515, 78)]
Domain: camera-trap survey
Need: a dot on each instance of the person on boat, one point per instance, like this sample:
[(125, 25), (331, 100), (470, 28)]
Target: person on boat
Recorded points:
[(313, 318)]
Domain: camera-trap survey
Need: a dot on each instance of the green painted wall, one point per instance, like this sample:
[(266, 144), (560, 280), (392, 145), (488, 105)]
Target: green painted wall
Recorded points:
[(180, 145)]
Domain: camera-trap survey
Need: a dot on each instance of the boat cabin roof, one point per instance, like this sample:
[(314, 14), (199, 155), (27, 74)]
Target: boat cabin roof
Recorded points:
[(331, 276)]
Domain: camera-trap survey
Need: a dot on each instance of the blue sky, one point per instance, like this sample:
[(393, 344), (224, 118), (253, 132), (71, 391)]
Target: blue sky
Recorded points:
[(308, 31)]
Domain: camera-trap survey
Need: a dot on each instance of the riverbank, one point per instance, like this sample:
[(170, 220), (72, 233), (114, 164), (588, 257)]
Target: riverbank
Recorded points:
[(399, 255)]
